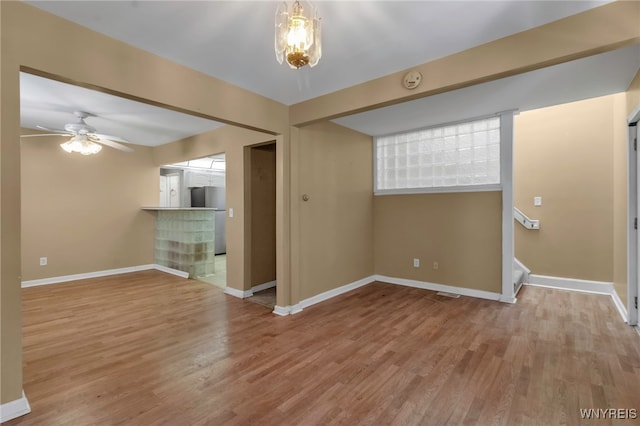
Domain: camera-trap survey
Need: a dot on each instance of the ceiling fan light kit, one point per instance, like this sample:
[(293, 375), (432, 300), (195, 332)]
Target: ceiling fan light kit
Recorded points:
[(84, 138), (82, 145), (298, 35)]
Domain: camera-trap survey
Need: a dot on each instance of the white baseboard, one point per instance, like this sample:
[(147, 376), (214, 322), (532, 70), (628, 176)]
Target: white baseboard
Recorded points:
[(511, 300), (585, 286), (283, 311), (481, 294), (264, 286), (243, 294), (105, 273), (11, 410), (238, 293), (298, 307), (181, 274), (619, 305)]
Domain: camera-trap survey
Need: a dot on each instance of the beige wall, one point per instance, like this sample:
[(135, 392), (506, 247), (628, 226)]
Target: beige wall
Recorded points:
[(336, 226), (460, 231), (263, 214), (565, 154), (83, 213)]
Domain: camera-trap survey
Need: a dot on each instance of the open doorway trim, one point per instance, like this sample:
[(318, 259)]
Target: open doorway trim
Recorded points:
[(506, 179), (632, 209)]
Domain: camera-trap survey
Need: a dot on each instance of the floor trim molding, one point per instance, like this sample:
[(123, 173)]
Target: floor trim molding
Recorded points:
[(12, 409), (619, 305), (300, 306), (243, 294), (283, 311), (584, 286), (481, 294), (263, 286), (105, 273), (171, 271), (240, 294)]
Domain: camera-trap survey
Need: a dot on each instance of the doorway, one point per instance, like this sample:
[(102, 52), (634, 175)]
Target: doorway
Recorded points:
[(170, 189), (262, 165)]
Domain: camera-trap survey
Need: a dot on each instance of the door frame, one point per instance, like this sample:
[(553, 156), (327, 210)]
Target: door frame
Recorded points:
[(506, 180), (633, 284)]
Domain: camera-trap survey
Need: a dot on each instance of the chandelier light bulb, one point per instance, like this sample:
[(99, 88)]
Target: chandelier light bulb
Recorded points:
[(297, 35)]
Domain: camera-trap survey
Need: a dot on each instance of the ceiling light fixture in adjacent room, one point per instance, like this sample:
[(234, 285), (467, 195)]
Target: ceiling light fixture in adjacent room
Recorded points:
[(81, 143), (298, 34)]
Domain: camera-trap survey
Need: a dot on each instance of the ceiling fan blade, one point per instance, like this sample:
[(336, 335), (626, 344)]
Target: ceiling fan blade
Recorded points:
[(110, 137), (53, 130), (110, 143), (45, 134)]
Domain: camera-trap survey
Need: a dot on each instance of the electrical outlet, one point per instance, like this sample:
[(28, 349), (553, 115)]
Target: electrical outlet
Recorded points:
[(416, 263), (435, 265), (230, 212), (43, 261)]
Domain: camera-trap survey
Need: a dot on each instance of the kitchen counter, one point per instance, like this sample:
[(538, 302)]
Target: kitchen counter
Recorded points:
[(185, 239)]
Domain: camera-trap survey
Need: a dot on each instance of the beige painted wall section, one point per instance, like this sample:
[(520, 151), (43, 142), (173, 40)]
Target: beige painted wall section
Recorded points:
[(460, 231), (263, 214), (83, 212), (232, 141), (565, 155), (336, 226), (11, 307)]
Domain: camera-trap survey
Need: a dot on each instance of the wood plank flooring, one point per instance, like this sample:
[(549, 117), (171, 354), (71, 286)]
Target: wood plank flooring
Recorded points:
[(150, 349)]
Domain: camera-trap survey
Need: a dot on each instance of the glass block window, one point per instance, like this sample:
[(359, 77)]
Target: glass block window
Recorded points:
[(459, 155)]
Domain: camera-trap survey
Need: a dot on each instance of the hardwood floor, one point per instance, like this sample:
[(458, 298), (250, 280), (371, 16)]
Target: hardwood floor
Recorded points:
[(147, 348)]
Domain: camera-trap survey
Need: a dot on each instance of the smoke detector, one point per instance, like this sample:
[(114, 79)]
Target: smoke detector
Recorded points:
[(411, 80)]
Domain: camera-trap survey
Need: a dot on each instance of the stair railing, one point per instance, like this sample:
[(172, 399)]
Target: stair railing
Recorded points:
[(524, 220)]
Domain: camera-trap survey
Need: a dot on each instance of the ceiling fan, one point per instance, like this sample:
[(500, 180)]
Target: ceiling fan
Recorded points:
[(84, 138)]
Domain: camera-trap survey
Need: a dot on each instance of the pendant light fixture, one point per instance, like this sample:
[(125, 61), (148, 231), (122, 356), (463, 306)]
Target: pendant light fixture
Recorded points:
[(298, 34)]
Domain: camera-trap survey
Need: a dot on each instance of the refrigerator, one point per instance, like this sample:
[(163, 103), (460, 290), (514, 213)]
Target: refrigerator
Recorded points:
[(213, 197)]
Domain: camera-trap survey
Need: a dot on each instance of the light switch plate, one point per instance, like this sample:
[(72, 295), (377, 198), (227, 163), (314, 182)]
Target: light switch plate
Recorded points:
[(230, 212), (537, 201)]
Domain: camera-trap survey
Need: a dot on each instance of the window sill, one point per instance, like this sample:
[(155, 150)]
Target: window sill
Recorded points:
[(440, 190)]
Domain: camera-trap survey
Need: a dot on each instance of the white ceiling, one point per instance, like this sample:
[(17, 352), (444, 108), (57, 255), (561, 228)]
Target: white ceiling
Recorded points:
[(362, 40), (49, 103), (586, 78)]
